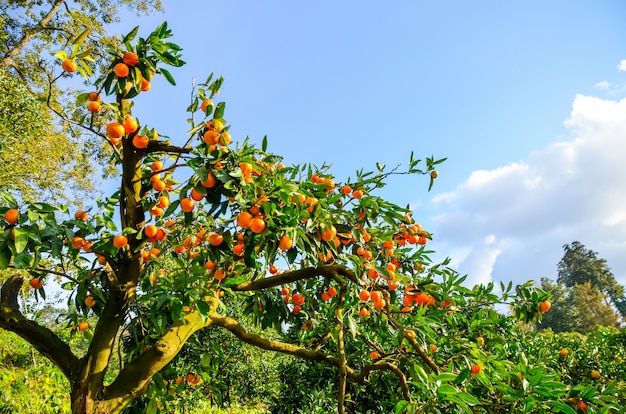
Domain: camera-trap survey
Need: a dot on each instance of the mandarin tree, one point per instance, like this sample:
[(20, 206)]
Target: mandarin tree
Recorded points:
[(300, 262)]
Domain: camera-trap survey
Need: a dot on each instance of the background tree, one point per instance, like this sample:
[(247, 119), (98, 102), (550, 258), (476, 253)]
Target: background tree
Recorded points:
[(580, 265), (30, 33), (586, 293), (204, 225)]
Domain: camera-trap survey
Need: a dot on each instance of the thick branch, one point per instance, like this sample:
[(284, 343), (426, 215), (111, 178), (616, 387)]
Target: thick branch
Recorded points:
[(29, 34), (43, 339), (260, 342), (132, 380), (420, 351), (331, 271), (341, 351), (160, 146), (389, 367)]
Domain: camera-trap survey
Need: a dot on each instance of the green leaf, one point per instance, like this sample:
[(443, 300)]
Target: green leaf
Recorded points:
[(81, 37), (563, 408), (264, 144), (446, 389), (169, 77), (219, 110), (5, 258), (470, 399), (21, 239), (455, 399), (445, 377), (131, 35), (401, 407)]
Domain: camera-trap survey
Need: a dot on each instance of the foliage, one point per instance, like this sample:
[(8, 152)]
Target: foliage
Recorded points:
[(586, 293), (26, 137), (204, 235), (580, 265), (29, 382), (29, 33)]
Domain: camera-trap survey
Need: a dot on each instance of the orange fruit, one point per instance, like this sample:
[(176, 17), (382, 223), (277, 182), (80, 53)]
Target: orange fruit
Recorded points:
[(81, 215), (130, 124), (329, 233), (364, 295), (77, 242), (239, 249), (380, 303), (150, 230), (297, 299), (216, 239), (83, 326), (69, 65), (332, 291), (156, 166), (215, 125), (205, 104), (210, 265), (325, 296), (210, 181), (273, 269), (158, 185), (285, 243), (476, 369), (211, 137), (145, 85), (434, 174), (94, 106), (410, 333), (120, 241), (357, 194), (364, 312), (115, 130), (121, 70), (90, 302), (284, 291), (36, 283), (246, 168), (595, 374), (94, 96), (244, 219), (12, 216), (130, 58), (220, 274), (187, 205), (140, 141), (433, 348), (564, 352), (346, 189), (257, 225), (196, 195), (225, 139), (581, 405), (164, 201), (374, 355), (297, 309), (544, 307)]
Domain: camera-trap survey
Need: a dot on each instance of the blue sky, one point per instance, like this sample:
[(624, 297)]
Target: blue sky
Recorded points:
[(524, 98)]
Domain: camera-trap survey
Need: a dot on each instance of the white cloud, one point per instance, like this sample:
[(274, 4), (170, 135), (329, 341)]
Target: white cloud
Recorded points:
[(622, 65), (602, 85), (513, 220)]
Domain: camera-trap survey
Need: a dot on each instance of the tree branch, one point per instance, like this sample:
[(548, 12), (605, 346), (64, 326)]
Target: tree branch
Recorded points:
[(286, 348), (420, 351), (331, 271), (43, 339), (389, 367), (136, 375), (29, 34)]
